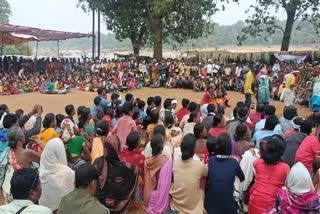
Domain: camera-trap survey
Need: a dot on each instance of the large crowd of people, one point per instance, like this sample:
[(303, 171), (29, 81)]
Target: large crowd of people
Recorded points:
[(120, 155)]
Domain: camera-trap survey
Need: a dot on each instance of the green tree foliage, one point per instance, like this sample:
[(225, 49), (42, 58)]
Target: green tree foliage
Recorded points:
[(177, 20), (125, 18), (263, 22), (5, 12), (21, 50)]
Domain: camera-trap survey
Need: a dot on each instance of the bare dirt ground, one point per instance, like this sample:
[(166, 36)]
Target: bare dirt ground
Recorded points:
[(56, 103)]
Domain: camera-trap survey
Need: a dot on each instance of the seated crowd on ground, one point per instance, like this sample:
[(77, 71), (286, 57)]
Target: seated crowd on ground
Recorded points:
[(131, 154)]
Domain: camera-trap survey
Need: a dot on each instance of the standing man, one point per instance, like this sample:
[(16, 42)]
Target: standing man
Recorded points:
[(248, 87), (288, 93), (209, 67)]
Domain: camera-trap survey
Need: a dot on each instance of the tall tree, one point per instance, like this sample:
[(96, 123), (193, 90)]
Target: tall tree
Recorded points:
[(126, 18), (264, 20), (179, 19), (5, 12)]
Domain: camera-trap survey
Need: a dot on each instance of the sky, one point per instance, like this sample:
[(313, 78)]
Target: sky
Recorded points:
[(66, 16)]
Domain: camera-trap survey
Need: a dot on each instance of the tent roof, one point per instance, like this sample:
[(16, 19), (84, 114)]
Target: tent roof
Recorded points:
[(41, 34)]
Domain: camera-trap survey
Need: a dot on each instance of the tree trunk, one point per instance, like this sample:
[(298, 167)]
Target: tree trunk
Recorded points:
[(288, 30), (157, 38), (136, 47)]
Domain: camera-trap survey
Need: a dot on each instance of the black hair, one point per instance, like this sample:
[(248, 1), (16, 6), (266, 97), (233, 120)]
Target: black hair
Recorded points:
[(260, 107), (83, 113), (102, 128), (221, 110), (97, 100), (197, 129), (3, 107), (269, 110), (69, 109), (146, 122), (154, 116), (157, 144), (271, 123), (273, 150), (211, 108), (316, 165), (185, 102), (241, 131), (48, 119), (109, 111), (114, 96), (192, 106), (160, 129), (168, 119), (212, 145), (128, 97), (100, 90), (298, 121), (188, 146), (193, 116), (19, 113), (119, 111), (136, 113), (150, 100), (305, 127), (133, 140), (9, 120), (84, 175), (22, 182), (127, 108), (148, 110), (242, 114), (141, 104), (224, 145), (167, 103), (59, 119), (289, 112), (157, 101), (217, 119)]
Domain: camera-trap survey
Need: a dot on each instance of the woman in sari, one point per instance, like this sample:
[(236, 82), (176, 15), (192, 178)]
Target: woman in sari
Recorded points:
[(18, 157), (48, 131), (57, 179), (117, 180), (102, 132), (158, 175), (298, 195), (69, 129)]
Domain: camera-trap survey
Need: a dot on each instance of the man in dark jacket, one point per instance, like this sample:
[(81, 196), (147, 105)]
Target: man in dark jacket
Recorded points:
[(293, 141)]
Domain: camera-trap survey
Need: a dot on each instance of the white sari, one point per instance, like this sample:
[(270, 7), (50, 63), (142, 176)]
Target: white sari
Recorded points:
[(57, 179)]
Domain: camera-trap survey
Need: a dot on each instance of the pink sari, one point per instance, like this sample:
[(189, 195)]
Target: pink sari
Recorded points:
[(159, 198)]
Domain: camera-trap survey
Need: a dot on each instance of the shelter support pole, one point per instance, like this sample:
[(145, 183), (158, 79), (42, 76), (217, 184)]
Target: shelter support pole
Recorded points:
[(99, 34), (27, 48), (93, 32), (1, 44), (37, 49), (58, 44)]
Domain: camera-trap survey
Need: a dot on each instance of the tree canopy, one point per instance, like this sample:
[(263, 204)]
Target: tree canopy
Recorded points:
[(264, 20), (156, 20), (5, 12)]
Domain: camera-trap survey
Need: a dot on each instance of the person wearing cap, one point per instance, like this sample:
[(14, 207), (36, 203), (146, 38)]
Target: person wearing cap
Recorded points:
[(288, 93)]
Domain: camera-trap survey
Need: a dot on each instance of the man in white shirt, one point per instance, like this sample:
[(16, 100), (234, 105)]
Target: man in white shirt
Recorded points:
[(26, 191), (209, 67)]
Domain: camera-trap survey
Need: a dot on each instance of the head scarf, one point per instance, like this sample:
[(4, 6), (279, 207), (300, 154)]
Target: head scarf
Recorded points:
[(299, 180), (57, 179), (204, 111), (117, 180)]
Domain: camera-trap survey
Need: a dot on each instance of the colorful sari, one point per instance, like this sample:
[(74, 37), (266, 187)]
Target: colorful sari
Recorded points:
[(117, 180), (298, 195), (158, 174)]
